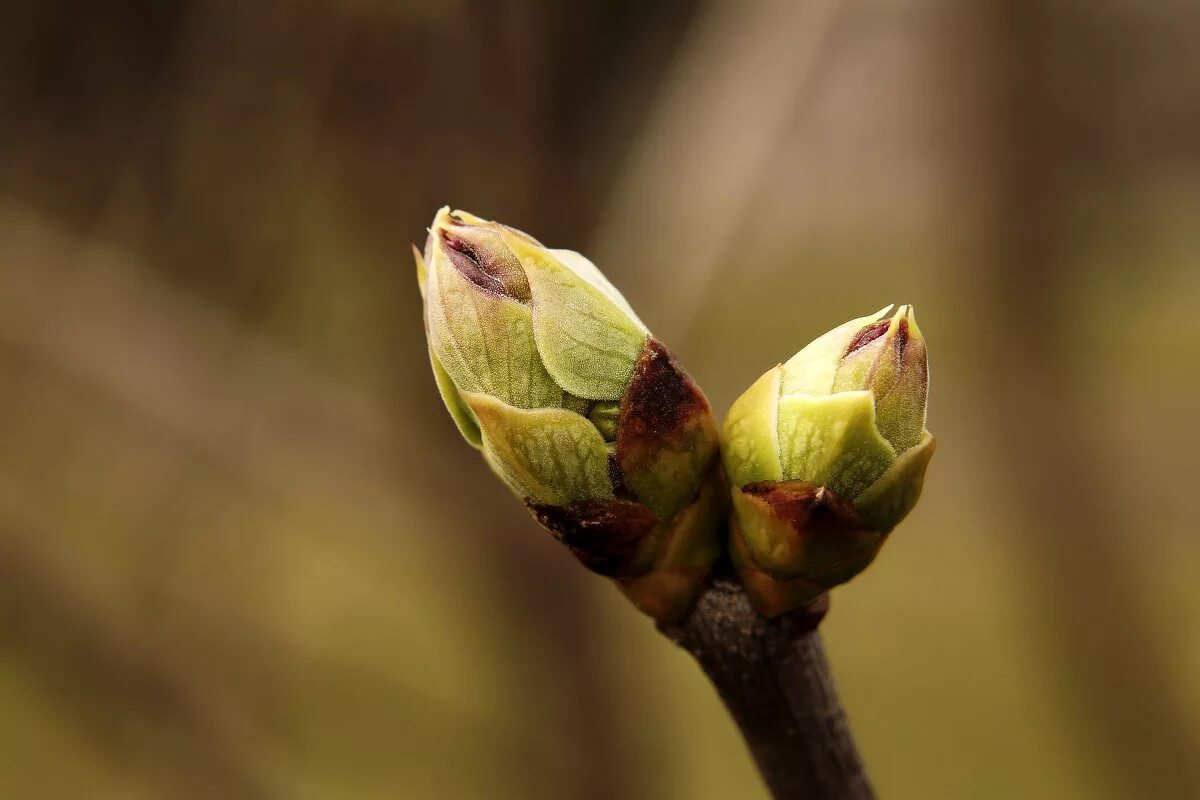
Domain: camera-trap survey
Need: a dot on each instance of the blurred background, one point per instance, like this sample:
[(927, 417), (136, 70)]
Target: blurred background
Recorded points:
[(236, 560)]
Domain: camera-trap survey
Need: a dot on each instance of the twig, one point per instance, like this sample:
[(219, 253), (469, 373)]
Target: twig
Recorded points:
[(773, 677)]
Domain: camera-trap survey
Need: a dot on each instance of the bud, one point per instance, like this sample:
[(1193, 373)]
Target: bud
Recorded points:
[(576, 406), (825, 455)]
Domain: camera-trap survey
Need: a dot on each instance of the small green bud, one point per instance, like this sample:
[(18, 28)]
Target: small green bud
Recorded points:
[(826, 454), (584, 415), (606, 416)]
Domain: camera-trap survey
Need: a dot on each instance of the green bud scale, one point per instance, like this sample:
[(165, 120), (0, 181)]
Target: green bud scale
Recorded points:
[(825, 454), (576, 406)]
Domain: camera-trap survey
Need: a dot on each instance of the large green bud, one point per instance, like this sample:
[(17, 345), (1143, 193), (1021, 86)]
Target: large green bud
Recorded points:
[(825, 455), (588, 419)]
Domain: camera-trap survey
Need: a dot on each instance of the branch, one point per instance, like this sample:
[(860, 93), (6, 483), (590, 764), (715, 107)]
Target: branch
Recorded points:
[(773, 677)]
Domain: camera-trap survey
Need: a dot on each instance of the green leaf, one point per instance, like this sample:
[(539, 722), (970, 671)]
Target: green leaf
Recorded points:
[(548, 456), (749, 441), (421, 270), (889, 499), (832, 441), (587, 341), (901, 386), (582, 266), (485, 342), (771, 539), (458, 409), (812, 370)]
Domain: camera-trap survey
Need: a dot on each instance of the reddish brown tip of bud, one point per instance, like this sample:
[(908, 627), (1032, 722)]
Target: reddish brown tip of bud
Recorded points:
[(867, 335), (901, 336), (606, 535), (467, 261), (480, 257), (659, 404), (666, 435)]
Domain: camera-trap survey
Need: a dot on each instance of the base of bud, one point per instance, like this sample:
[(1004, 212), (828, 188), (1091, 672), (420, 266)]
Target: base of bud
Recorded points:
[(668, 595), (770, 596), (684, 557)]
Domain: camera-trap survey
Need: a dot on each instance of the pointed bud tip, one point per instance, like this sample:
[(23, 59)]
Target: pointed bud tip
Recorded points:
[(910, 319), (476, 248), (906, 314)]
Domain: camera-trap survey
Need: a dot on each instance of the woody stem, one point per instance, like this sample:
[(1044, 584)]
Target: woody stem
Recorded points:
[(774, 679)]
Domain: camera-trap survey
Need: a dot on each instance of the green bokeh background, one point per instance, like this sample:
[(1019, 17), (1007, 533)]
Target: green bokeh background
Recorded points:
[(245, 554)]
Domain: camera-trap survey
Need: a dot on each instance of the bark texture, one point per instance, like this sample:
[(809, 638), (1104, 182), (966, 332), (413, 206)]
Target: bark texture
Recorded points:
[(773, 677)]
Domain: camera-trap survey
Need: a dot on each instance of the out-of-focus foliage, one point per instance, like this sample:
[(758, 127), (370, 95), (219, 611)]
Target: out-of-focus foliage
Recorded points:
[(243, 552)]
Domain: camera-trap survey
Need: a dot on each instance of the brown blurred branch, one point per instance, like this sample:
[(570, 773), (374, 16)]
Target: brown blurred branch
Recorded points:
[(113, 682), (1116, 671), (774, 679), (545, 595), (739, 81)]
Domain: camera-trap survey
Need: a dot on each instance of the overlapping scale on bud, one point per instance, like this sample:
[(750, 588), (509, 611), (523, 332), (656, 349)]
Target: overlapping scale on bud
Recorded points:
[(825, 455), (588, 419)]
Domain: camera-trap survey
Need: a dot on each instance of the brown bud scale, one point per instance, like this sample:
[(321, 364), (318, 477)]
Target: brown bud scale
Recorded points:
[(815, 511), (660, 401), (606, 535)]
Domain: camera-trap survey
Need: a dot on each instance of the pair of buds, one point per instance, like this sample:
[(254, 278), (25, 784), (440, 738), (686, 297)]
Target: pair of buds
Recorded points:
[(589, 419)]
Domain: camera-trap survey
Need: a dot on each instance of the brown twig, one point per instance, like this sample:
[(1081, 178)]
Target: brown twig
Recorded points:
[(774, 679)]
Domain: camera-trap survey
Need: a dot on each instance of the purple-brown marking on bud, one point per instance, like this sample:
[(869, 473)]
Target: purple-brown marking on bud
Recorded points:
[(660, 402), (666, 435), (901, 337), (867, 335), (466, 261), (899, 379), (814, 510), (616, 476), (606, 535), (483, 259), (899, 352), (895, 350)]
